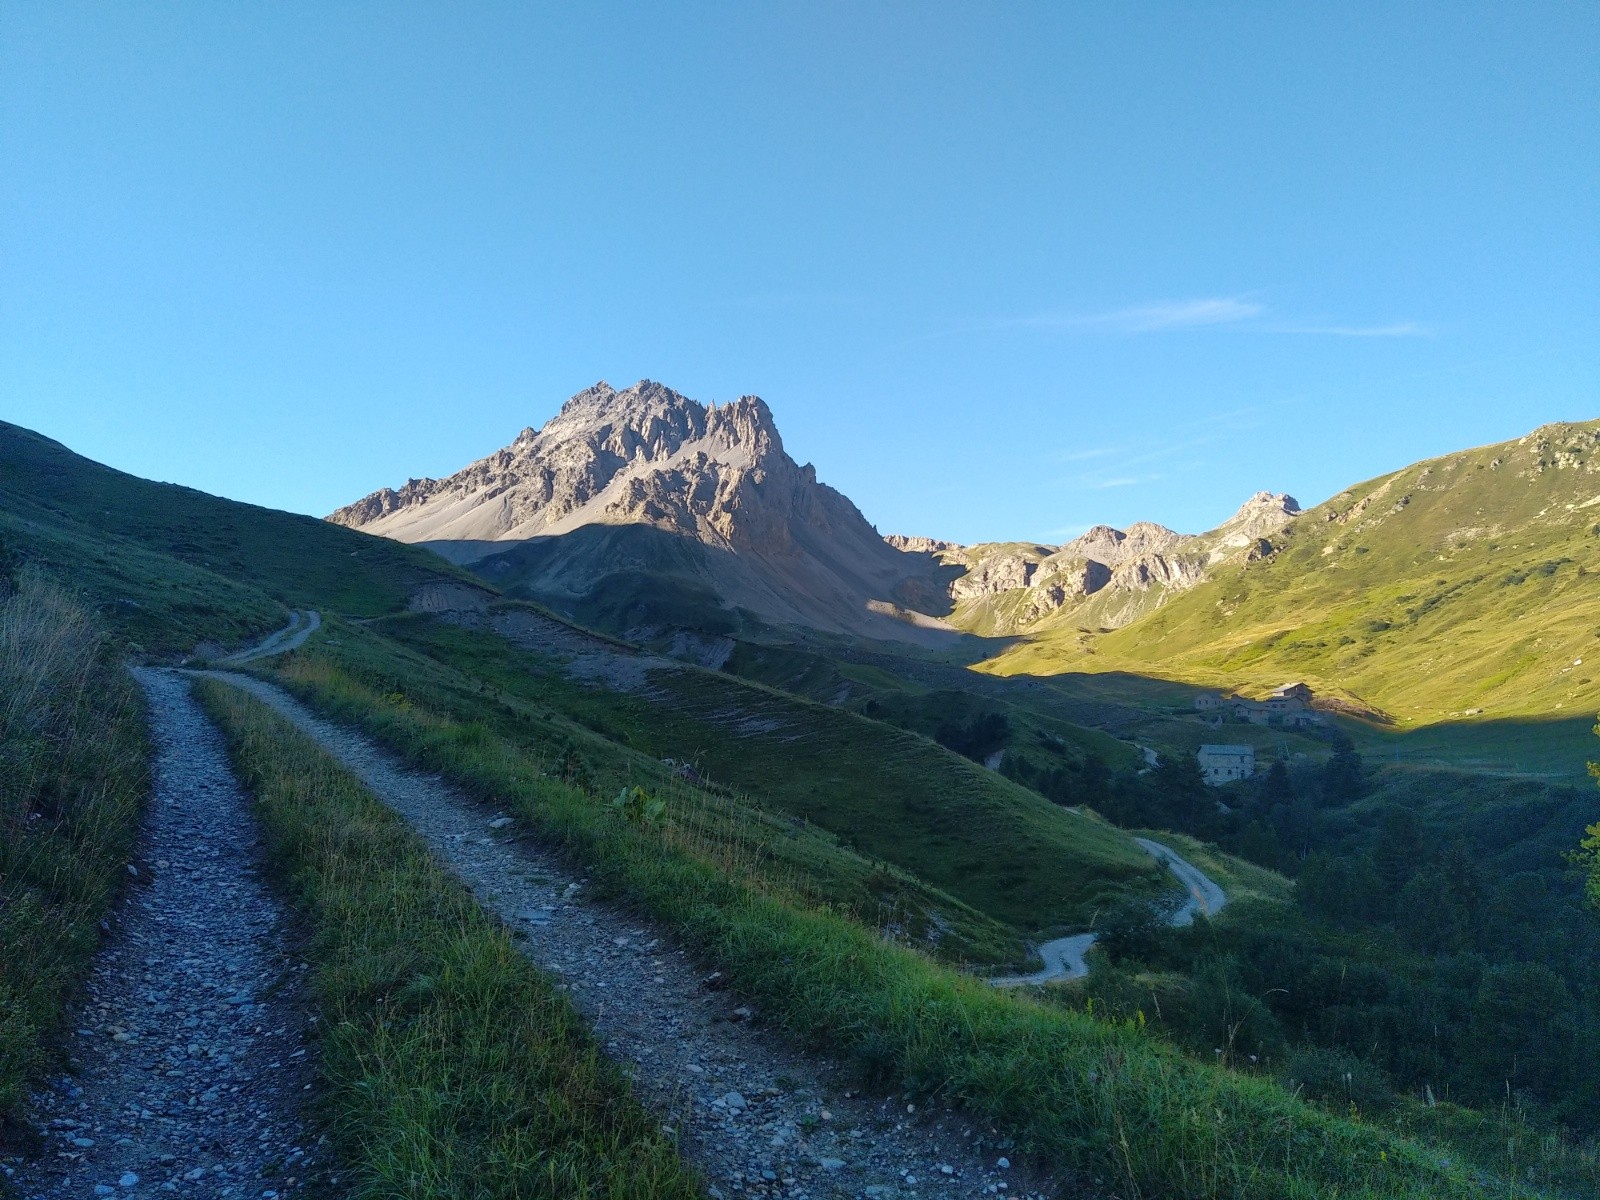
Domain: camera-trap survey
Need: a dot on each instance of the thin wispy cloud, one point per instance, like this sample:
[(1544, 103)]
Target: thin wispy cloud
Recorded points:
[(1130, 457), (1187, 314), (1202, 313), (1110, 467), (1148, 318)]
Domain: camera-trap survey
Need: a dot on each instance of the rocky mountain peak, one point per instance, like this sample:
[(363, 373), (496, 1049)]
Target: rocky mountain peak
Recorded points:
[(1261, 516), (747, 422), (1103, 544), (648, 458), (915, 544), (1273, 502), (648, 416)]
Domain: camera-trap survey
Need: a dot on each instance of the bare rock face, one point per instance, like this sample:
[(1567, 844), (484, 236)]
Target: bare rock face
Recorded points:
[(1115, 546), (1261, 516), (644, 455), (739, 515), (1001, 573), (1113, 575), (918, 545)]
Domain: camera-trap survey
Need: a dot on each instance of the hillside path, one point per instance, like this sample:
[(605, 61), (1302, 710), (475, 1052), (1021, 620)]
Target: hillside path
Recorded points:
[(291, 637), (189, 1066), (758, 1116), (1066, 958)]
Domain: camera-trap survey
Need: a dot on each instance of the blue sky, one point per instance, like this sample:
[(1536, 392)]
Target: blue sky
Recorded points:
[(1000, 270)]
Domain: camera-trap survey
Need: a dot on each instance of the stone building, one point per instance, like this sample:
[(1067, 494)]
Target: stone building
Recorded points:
[(1287, 707), (1225, 764)]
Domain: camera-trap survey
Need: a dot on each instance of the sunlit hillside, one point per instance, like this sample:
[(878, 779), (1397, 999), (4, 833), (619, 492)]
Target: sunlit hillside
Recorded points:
[(1462, 587)]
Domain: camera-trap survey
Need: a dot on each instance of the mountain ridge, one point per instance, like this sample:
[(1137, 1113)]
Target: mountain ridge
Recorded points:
[(564, 509), (584, 458), (642, 511), (1453, 588), (648, 481), (1106, 575)]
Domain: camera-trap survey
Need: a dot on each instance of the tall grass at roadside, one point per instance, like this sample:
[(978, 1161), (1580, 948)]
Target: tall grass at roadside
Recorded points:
[(73, 779), (452, 1067), (1105, 1098)]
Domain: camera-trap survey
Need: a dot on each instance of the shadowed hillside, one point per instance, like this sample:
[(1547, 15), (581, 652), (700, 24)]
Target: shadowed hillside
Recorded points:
[(170, 566)]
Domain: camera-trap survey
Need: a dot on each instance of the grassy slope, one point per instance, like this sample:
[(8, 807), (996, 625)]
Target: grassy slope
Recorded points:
[(1547, 748), (451, 1067), (1464, 582), (879, 693), (1511, 825), (1106, 1098), (151, 600), (366, 676), (297, 560), (893, 795), (73, 781)]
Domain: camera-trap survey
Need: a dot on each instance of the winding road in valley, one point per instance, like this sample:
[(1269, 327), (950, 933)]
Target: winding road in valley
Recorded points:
[(1204, 894), (1065, 958)]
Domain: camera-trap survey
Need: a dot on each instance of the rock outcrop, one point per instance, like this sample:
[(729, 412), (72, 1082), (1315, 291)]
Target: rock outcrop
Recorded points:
[(644, 455), (1106, 576)]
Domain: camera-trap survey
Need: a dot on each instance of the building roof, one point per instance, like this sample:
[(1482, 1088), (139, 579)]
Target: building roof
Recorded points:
[(1228, 750)]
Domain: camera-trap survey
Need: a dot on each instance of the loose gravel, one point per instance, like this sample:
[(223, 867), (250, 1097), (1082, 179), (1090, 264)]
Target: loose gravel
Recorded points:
[(189, 1068), (756, 1114)]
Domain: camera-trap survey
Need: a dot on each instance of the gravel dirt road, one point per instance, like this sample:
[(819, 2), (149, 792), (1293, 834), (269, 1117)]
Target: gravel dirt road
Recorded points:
[(189, 1068), (291, 637), (757, 1114)]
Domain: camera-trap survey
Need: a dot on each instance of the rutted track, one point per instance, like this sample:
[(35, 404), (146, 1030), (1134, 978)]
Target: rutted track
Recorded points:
[(291, 637), (753, 1112), (190, 1071)]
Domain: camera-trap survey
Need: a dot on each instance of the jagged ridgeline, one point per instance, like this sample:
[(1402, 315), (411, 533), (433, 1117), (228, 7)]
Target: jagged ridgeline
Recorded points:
[(1106, 578), (169, 567), (1460, 587), (642, 506)]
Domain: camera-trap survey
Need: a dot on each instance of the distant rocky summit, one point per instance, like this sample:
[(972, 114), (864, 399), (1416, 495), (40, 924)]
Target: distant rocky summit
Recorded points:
[(1106, 577), (646, 484)]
